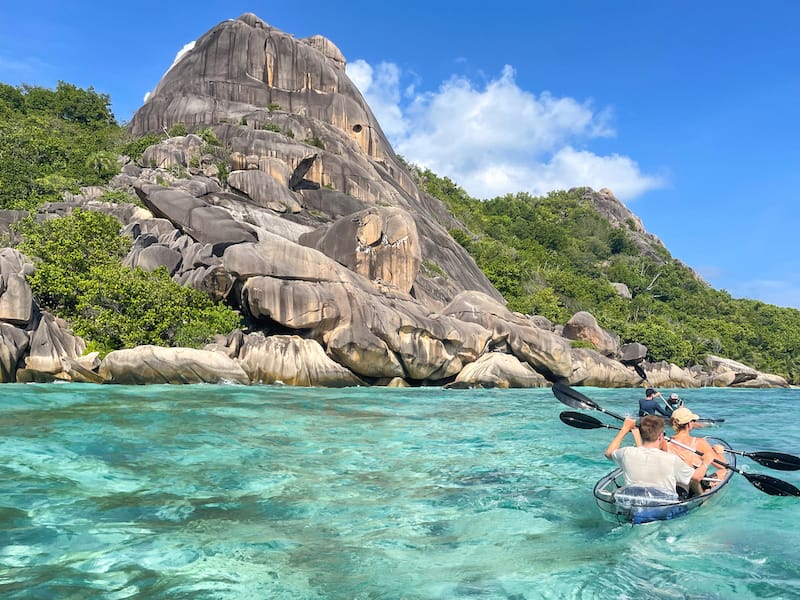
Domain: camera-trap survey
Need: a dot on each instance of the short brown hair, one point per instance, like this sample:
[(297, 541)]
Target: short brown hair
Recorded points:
[(650, 427)]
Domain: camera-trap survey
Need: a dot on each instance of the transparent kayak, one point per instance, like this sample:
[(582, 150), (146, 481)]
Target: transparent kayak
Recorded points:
[(639, 504)]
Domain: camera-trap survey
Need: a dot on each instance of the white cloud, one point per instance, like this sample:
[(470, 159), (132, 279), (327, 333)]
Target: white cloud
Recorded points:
[(381, 85), (499, 138), (181, 53), (186, 47)]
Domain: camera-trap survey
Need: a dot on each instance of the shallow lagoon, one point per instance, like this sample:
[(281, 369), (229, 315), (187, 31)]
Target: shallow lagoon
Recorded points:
[(364, 493)]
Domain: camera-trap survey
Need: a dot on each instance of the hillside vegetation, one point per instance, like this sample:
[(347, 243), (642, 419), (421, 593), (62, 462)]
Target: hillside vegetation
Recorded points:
[(555, 255), (551, 255), (54, 141)]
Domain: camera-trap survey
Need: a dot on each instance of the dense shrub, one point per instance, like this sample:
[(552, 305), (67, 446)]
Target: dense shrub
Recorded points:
[(52, 141), (555, 255), (79, 276)]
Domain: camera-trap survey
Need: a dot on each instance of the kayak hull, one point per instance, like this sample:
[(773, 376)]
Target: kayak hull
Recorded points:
[(636, 505)]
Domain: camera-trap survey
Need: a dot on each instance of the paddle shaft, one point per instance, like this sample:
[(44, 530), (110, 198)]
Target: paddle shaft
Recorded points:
[(765, 483)]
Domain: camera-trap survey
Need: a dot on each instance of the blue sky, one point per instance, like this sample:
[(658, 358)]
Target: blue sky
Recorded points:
[(688, 111)]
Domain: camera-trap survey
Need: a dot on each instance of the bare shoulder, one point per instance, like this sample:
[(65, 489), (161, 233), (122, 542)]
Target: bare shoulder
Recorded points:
[(703, 445)]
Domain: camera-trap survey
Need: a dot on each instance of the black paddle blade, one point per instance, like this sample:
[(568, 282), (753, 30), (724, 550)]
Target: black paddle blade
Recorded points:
[(640, 371), (775, 460), (579, 420), (771, 485), (572, 398)]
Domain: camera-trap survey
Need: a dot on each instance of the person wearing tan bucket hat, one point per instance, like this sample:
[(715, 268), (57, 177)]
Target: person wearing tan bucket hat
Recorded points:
[(683, 422)]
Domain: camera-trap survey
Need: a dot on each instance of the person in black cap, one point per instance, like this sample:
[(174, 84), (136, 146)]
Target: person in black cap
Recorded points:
[(649, 406)]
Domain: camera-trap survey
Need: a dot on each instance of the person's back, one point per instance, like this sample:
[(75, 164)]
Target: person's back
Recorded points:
[(649, 405), (683, 422), (651, 467), (648, 465)]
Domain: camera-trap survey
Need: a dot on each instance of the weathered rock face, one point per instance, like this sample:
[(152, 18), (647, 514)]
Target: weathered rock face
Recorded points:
[(292, 360), (153, 364), (205, 223), (244, 64), (667, 375), (371, 332), (297, 102), (633, 353), (266, 191), (583, 326), (14, 343), (726, 372), (16, 299), (496, 369), (597, 370), (379, 243), (342, 266), (546, 352), (51, 342)]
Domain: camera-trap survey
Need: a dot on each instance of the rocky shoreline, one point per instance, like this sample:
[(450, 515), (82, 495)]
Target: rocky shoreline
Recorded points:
[(474, 341)]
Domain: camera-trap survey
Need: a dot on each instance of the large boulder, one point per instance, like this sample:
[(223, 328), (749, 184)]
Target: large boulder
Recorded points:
[(371, 334), (374, 333), (50, 343), (725, 372), (632, 353), (278, 257), (592, 368), (265, 191), (496, 369), (380, 243), (173, 152), (154, 364), (292, 360), (16, 298), (583, 326), (543, 350), (14, 343), (205, 223), (295, 98), (667, 375)]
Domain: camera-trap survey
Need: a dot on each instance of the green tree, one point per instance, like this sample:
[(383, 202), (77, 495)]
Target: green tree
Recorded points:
[(46, 139), (79, 276)]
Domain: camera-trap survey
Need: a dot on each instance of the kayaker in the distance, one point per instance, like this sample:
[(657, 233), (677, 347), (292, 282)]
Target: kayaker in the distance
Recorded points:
[(674, 402), (649, 405)]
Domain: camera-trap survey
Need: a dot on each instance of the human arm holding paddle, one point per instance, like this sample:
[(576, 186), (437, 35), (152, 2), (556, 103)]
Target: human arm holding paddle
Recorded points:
[(649, 405), (628, 425)]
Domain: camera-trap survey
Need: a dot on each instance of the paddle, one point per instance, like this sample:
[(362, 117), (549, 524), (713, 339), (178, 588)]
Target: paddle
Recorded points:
[(641, 373), (575, 399), (572, 397), (773, 460), (765, 483)]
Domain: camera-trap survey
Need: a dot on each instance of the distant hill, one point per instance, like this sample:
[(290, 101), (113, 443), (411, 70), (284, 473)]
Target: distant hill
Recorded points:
[(584, 250)]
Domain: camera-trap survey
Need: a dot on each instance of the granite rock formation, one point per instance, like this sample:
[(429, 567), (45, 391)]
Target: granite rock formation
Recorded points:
[(301, 216)]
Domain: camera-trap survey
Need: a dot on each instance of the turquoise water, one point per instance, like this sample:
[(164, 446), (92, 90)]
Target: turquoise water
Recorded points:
[(364, 493)]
